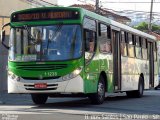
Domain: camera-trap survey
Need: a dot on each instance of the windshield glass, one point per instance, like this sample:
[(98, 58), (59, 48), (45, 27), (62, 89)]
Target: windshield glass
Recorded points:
[(45, 43)]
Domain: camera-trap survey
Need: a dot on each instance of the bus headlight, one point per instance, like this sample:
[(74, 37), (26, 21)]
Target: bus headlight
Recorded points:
[(13, 76), (75, 73)]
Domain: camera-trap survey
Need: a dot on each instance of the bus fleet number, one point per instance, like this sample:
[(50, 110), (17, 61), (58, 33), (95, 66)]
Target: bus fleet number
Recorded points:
[(51, 74)]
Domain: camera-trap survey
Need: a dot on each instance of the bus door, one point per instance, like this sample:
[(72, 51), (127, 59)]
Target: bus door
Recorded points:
[(116, 58), (151, 64)]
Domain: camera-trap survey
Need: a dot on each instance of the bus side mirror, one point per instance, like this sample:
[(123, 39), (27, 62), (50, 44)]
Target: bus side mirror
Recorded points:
[(3, 36), (3, 33)]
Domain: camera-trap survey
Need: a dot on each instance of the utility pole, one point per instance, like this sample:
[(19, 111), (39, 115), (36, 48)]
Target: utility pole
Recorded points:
[(150, 19), (97, 6)]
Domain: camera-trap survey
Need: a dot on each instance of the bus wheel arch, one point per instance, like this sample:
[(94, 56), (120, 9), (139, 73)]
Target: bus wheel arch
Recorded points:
[(137, 93), (99, 96), (103, 73)]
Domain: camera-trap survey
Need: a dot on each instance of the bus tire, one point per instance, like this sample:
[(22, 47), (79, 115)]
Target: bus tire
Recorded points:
[(39, 98), (130, 94), (98, 97), (156, 88), (137, 93)]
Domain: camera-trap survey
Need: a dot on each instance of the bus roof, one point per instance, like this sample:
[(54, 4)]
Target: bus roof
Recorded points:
[(117, 24), (97, 17)]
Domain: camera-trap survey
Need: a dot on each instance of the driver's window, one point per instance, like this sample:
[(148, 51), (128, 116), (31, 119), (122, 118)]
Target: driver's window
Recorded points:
[(89, 41), (90, 38)]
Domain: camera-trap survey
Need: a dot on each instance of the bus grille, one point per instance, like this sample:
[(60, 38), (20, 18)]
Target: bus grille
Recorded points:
[(37, 78), (36, 89), (49, 87), (41, 67)]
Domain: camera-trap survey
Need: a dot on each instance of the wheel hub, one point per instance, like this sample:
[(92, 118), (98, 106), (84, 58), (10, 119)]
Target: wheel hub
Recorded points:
[(101, 90)]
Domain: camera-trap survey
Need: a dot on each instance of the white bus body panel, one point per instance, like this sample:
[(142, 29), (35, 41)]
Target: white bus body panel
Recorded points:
[(131, 70), (75, 85)]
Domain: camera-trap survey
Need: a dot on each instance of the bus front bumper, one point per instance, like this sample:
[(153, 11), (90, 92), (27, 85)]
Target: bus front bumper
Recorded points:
[(74, 85)]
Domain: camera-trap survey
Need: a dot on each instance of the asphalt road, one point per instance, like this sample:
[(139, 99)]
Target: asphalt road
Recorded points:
[(117, 107)]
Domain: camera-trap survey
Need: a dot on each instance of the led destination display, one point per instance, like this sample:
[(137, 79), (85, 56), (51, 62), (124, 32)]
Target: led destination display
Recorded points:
[(44, 15)]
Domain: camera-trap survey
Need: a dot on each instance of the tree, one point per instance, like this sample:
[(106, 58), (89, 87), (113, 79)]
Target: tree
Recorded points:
[(143, 26)]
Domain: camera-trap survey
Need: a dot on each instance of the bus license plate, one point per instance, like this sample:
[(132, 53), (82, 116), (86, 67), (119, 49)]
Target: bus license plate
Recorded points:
[(40, 85)]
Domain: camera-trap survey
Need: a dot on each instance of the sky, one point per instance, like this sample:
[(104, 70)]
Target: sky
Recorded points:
[(118, 6)]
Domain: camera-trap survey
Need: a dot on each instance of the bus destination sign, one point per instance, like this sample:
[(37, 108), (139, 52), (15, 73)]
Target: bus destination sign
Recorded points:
[(45, 15)]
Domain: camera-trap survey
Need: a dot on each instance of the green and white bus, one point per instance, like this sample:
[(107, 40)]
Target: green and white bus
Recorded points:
[(72, 51)]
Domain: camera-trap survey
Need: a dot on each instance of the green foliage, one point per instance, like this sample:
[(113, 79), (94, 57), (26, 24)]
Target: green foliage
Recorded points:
[(143, 26)]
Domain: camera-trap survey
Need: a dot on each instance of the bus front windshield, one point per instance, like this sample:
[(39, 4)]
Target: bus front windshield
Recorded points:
[(45, 43)]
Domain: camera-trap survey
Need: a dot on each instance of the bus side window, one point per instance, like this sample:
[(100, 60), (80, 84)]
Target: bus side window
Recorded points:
[(90, 31), (123, 44), (89, 37), (131, 51), (138, 48), (105, 41), (144, 49)]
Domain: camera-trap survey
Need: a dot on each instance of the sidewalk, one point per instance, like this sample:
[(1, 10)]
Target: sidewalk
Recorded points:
[(11, 99)]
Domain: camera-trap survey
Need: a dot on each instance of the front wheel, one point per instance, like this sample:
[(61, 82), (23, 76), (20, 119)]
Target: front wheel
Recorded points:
[(39, 98), (99, 96)]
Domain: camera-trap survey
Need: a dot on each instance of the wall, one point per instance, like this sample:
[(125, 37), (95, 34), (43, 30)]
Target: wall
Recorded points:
[(3, 57), (6, 8), (9, 6)]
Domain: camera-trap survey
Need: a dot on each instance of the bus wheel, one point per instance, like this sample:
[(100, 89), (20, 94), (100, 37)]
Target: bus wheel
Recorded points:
[(137, 93), (98, 98), (39, 98)]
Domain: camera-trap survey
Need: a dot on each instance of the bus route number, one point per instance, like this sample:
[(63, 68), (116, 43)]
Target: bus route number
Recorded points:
[(50, 74)]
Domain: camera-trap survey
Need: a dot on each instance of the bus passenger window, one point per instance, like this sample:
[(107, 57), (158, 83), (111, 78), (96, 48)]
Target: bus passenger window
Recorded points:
[(144, 49), (138, 47), (123, 44), (105, 41), (131, 51), (137, 41), (130, 40)]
